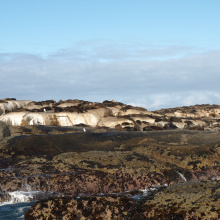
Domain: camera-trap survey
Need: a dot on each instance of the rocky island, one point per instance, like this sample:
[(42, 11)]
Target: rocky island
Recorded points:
[(109, 160)]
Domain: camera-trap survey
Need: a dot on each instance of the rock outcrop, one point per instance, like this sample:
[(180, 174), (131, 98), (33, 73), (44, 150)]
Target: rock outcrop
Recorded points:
[(94, 207), (108, 162), (9, 105), (4, 130), (191, 200), (76, 148), (114, 115)]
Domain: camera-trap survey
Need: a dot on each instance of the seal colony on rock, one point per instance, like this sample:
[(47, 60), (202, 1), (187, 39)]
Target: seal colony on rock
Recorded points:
[(110, 114), (77, 148)]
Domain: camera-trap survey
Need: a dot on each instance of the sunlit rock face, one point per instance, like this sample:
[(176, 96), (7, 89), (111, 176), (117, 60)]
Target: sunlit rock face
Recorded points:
[(67, 113), (13, 118), (32, 113), (54, 119), (161, 123), (109, 114), (114, 110), (114, 121), (132, 112), (68, 104), (11, 105), (179, 124)]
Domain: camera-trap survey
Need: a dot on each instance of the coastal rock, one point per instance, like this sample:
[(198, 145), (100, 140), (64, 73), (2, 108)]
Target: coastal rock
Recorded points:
[(94, 207), (108, 162), (109, 114), (11, 105), (4, 130), (190, 200), (77, 148), (113, 121)]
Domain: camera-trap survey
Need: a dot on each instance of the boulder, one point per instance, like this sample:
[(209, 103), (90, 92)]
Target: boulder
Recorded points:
[(4, 130)]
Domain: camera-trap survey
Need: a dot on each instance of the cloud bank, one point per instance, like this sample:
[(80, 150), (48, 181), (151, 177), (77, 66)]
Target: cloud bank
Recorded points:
[(150, 76)]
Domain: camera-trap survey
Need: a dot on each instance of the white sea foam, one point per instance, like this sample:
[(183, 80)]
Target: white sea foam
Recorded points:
[(20, 196), (148, 191), (145, 193), (27, 195), (21, 210)]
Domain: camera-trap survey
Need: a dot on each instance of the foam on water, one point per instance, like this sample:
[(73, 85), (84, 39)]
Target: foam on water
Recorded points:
[(25, 196), (18, 202), (20, 196)]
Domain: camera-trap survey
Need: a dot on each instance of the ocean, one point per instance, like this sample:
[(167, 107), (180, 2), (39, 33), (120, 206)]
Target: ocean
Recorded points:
[(18, 202), (14, 211)]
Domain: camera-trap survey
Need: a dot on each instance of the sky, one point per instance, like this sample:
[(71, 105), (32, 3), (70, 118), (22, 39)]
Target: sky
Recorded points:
[(150, 53)]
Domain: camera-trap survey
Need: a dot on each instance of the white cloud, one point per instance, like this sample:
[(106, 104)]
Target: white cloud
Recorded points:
[(108, 51), (153, 77)]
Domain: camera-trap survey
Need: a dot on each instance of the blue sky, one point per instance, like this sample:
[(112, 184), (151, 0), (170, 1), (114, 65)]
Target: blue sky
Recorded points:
[(150, 53), (44, 26)]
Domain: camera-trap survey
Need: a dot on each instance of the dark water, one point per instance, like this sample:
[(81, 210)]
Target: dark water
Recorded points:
[(14, 211)]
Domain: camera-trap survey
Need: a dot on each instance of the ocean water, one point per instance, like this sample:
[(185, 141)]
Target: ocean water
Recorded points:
[(14, 211)]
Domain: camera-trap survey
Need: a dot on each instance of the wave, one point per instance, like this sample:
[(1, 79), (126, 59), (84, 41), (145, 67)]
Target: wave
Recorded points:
[(25, 196)]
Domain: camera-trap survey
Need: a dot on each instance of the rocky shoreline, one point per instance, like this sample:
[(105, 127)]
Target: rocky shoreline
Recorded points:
[(128, 149), (191, 200)]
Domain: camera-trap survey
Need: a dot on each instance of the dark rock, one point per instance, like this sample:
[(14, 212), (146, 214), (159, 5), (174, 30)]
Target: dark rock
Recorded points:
[(190, 200), (4, 130), (170, 126), (175, 119), (93, 207), (118, 127)]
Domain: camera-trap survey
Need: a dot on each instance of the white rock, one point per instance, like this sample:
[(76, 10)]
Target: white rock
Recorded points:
[(13, 118), (11, 105), (161, 123), (113, 121), (68, 104), (133, 111), (114, 110), (179, 124)]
